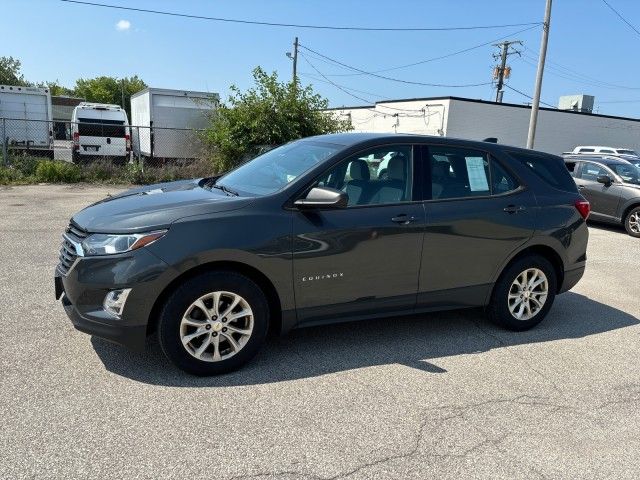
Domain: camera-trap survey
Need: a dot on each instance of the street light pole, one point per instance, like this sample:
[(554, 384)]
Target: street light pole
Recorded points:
[(535, 106)]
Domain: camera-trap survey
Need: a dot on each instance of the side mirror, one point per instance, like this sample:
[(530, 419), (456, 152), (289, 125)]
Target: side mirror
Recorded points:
[(323, 197), (606, 179)]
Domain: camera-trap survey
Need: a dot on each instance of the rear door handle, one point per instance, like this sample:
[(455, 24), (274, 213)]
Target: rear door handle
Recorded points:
[(514, 208), (403, 219)]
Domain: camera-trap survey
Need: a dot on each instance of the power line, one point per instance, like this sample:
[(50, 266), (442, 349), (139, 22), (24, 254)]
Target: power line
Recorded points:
[(399, 80), (295, 25), (621, 17), (441, 57), (529, 96), (319, 79)]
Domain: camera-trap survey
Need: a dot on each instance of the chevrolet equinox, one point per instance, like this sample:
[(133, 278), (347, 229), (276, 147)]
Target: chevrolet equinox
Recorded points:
[(309, 233)]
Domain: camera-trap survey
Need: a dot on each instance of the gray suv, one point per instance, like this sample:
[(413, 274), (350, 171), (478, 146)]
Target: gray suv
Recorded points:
[(612, 186), (309, 233)]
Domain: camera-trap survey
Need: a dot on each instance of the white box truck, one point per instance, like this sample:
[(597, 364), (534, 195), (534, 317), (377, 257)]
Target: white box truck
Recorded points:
[(26, 121), (165, 122)]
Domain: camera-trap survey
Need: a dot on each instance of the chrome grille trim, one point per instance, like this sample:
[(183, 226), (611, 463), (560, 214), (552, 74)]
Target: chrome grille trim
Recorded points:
[(71, 248)]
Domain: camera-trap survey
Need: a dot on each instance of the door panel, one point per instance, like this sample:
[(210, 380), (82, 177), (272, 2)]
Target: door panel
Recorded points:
[(604, 199), (363, 259), (477, 217), (356, 260)]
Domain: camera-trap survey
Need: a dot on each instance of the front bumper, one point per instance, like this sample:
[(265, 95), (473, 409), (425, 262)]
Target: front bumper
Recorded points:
[(84, 287)]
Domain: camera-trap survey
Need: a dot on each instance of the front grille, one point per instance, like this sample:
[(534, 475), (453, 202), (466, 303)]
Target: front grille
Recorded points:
[(68, 254)]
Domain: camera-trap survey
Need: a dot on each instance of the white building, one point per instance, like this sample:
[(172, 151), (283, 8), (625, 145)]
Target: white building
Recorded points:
[(558, 130)]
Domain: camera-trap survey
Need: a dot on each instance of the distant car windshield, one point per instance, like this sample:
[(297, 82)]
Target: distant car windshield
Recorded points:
[(275, 169), (629, 173)]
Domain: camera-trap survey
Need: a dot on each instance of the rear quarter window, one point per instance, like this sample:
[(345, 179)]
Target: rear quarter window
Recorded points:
[(550, 169)]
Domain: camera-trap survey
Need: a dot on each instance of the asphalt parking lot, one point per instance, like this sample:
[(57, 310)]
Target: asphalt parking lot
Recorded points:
[(446, 395)]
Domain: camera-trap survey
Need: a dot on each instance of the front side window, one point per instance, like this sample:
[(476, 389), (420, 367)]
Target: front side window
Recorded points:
[(275, 169), (461, 173), (383, 175), (586, 150), (591, 171)]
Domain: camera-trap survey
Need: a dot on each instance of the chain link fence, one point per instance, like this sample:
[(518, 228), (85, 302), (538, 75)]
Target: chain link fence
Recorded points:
[(107, 143)]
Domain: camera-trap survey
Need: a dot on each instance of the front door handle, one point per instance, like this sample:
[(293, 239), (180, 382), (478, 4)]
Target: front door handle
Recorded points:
[(514, 208), (403, 219)]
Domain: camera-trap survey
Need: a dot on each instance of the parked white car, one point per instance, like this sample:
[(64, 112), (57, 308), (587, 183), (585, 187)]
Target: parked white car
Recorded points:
[(601, 150), (100, 131)]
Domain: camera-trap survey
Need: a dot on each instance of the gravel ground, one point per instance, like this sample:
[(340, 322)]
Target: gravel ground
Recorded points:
[(446, 395)]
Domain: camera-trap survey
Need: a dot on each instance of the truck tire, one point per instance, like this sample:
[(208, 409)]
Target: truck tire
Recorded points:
[(214, 323)]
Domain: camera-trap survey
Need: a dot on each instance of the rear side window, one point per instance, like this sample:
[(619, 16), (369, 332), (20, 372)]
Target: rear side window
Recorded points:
[(460, 173), (551, 170)]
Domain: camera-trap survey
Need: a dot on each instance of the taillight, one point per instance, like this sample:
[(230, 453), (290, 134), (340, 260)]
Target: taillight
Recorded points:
[(127, 139), (76, 140), (583, 207)]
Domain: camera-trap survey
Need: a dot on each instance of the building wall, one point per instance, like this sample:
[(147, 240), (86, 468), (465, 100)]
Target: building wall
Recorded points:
[(422, 117), (556, 132)]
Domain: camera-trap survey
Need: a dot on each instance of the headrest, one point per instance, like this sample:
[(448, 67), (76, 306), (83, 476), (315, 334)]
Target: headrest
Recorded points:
[(396, 168), (359, 170)]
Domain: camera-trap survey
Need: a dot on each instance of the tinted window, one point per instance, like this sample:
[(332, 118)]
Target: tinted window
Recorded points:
[(461, 173), (586, 150), (94, 127), (377, 176), (606, 150), (550, 169)]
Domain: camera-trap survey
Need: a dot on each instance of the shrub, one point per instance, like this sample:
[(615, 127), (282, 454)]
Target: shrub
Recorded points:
[(57, 172)]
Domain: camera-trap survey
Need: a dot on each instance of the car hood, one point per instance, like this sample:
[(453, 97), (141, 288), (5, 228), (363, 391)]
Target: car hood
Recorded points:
[(154, 207)]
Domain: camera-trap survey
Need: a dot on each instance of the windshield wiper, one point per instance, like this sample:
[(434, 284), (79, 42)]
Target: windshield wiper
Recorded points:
[(227, 190)]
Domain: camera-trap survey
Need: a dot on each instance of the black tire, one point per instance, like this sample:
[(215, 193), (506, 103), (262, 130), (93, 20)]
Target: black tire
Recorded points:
[(498, 308), (194, 288), (635, 211)]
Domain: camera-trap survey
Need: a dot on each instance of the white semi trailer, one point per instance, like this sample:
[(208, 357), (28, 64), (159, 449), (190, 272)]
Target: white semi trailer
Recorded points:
[(165, 123), (26, 121)]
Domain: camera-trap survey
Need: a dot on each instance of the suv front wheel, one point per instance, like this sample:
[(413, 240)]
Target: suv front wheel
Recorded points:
[(524, 293), (214, 323)]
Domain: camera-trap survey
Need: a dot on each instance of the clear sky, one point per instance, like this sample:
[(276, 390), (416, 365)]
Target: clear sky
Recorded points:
[(591, 50)]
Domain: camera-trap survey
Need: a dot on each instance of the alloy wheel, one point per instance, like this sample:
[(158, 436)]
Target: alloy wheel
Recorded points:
[(634, 222), (528, 294), (216, 326)]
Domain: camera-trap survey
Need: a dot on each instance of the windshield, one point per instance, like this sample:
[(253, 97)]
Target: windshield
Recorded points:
[(629, 173), (275, 169)]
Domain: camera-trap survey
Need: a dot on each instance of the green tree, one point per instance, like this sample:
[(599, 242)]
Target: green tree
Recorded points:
[(10, 72), (109, 90), (55, 89), (268, 114)]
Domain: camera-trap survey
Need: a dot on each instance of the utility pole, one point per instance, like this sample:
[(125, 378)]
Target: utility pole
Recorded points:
[(295, 59), (501, 72), (122, 90), (536, 94)]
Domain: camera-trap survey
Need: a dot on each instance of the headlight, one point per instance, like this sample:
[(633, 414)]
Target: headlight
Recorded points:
[(107, 244)]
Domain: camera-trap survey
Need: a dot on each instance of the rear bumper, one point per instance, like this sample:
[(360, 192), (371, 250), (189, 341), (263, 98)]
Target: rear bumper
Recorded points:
[(571, 278)]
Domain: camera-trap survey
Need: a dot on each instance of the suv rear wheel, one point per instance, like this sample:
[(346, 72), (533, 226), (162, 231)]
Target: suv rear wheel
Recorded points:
[(214, 323), (632, 222), (524, 293)]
